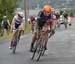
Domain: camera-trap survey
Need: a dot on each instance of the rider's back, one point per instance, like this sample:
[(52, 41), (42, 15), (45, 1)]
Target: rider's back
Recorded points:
[(43, 18)]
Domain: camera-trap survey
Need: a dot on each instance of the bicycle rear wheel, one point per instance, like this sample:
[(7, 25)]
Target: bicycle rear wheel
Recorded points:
[(14, 49)]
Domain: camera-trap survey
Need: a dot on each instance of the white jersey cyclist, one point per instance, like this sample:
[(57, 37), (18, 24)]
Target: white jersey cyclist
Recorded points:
[(18, 21)]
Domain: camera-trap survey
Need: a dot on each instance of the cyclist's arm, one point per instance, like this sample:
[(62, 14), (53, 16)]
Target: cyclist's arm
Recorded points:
[(2, 23), (51, 17), (40, 15), (8, 22), (23, 23), (13, 24), (41, 20)]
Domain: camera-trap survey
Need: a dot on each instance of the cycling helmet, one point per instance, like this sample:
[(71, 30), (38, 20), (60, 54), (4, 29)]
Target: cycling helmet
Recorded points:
[(4, 17), (20, 14), (47, 9)]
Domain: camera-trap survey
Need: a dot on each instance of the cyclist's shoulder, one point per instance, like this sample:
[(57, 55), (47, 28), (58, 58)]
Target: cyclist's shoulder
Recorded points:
[(40, 12), (15, 17), (23, 18)]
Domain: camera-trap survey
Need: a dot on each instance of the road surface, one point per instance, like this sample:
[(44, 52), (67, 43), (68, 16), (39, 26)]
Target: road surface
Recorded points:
[(61, 49)]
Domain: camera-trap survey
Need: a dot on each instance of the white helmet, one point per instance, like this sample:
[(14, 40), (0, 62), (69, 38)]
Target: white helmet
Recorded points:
[(20, 14), (4, 16)]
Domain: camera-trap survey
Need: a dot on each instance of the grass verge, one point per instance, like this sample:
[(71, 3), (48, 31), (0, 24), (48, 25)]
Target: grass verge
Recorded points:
[(9, 35)]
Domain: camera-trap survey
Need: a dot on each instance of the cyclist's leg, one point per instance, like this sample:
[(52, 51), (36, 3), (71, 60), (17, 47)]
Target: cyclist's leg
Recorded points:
[(36, 31), (45, 36), (51, 29), (65, 22), (46, 40), (2, 29), (33, 41), (50, 26), (19, 34), (31, 27), (5, 31), (55, 23)]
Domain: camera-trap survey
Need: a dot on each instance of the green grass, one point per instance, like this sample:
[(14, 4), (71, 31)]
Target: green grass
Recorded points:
[(6, 36), (27, 29), (9, 35)]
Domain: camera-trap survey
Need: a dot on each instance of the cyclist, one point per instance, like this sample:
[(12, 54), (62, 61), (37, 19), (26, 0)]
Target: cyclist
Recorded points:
[(43, 17), (57, 17), (54, 19), (5, 24), (32, 22), (17, 22), (65, 14), (52, 23)]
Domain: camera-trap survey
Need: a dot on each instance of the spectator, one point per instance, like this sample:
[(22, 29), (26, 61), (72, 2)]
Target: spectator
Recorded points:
[(5, 25)]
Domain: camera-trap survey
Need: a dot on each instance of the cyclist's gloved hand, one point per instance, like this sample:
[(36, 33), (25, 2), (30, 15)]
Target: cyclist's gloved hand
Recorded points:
[(12, 28)]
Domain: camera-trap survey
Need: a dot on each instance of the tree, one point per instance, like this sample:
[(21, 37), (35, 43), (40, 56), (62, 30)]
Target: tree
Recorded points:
[(7, 8)]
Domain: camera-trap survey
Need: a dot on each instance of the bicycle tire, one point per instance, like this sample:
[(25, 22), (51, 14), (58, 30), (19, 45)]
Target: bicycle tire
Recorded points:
[(43, 50), (40, 52), (14, 49), (35, 49), (33, 54), (65, 25), (14, 46), (38, 49), (15, 40)]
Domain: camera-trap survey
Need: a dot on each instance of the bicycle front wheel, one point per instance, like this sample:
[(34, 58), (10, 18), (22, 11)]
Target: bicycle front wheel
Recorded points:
[(14, 45), (41, 50), (14, 49), (36, 49)]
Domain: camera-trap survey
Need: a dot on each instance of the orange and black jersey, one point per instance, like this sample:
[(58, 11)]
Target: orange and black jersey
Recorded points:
[(43, 18)]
